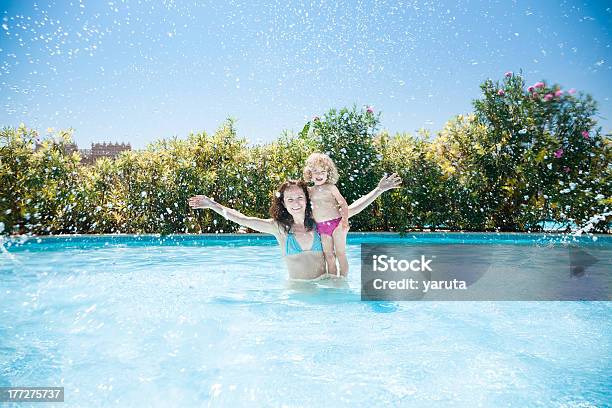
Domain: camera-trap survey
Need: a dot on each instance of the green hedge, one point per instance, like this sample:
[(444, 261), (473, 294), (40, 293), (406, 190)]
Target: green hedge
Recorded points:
[(525, 155)]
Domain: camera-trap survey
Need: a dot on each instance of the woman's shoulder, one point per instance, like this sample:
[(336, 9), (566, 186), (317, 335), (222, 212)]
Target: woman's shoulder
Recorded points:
[(280, 228)]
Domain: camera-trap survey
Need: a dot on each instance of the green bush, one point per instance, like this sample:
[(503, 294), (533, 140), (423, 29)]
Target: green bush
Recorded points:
[(526, 155), (39, 183), (529, 154), (347, 137)]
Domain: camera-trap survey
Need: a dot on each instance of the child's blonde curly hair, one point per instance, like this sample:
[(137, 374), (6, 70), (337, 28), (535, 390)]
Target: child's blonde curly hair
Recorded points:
[(323, 161)]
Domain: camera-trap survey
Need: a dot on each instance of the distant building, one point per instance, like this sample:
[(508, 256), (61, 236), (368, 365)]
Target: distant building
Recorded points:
[(70, 148), (110, 150), (89, 156)]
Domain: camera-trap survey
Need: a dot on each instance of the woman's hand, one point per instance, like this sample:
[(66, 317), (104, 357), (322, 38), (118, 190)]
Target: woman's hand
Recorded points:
[(200, 201), (389, 182)]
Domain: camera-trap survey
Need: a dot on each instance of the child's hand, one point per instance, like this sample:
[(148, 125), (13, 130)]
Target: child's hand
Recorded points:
[(389, 182), (200, 201)]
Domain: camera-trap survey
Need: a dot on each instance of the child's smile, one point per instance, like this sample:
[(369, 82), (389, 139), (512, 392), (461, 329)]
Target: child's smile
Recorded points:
[(319, 176)]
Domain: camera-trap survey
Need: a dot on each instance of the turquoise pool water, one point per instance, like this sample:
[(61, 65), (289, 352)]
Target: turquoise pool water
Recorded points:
[(211, 321)]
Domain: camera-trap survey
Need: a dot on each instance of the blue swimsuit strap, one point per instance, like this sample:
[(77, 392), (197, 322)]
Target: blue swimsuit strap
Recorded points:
[(293, 247), (316, 242)]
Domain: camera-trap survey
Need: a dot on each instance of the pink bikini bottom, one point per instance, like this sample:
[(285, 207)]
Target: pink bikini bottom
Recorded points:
[(328, 227)]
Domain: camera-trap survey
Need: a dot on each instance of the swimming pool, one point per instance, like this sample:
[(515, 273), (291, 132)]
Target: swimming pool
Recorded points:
[(210, 320)]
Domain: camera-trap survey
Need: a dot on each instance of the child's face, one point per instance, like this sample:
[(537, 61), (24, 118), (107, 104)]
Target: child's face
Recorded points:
[(319, 175)]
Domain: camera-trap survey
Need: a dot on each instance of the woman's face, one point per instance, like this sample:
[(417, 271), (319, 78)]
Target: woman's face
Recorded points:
[(295, 201)]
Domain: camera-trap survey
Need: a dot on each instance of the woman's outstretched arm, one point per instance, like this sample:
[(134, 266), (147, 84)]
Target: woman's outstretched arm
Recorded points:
[(386, 183), (258, 224)]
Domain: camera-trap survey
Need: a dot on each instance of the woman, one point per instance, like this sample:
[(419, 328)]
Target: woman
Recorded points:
[(292, 224)]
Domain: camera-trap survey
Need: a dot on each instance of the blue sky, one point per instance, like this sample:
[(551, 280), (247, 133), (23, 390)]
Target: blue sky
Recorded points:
[(136, 71)]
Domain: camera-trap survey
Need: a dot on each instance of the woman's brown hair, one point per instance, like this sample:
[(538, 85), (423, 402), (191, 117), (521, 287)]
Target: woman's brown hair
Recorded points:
[(280, 214)]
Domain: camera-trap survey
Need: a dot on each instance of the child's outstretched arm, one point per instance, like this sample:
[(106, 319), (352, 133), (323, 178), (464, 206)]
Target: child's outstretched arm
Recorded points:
[(344, 208), (385, 183), (258, 224)]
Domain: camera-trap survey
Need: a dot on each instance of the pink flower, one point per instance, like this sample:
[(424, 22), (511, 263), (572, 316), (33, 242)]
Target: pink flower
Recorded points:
[(571, 91), (566, 169), (501, 92), (585, 134), (538, 85), (548, 97), (508, 74), (535, 95), (530, 89), (370, 109), (558, 93), (558, 153)]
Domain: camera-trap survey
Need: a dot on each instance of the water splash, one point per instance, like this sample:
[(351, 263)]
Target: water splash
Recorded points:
[(591, 223), (3, 249)]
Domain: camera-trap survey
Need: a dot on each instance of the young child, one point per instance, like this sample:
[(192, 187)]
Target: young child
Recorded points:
[(329, 209)]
